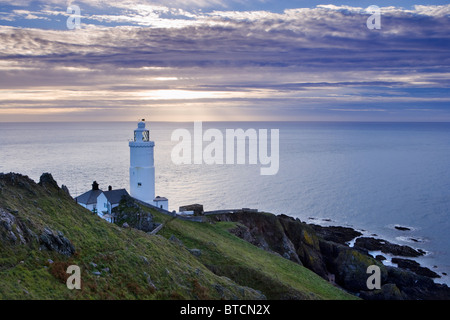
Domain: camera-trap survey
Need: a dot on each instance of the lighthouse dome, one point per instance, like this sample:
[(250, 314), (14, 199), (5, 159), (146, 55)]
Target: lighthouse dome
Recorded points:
[(141, 134)]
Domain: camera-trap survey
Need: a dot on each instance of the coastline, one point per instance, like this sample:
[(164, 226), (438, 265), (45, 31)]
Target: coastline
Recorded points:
[(48, 217), (341, 255), (414, 258), (403, 237)]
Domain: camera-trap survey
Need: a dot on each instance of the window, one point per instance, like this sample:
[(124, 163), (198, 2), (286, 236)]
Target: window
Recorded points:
[(139, 184), (145, 136)]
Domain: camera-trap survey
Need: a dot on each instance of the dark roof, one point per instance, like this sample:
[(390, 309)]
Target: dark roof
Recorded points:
[(114, 196), (158, 198), (89, 197)]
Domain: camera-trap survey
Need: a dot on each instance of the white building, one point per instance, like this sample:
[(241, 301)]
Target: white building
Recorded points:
[(142, 180), (161, 202), (101, 202), (142, 168)]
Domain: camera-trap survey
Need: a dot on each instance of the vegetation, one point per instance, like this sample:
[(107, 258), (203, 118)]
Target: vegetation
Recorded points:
[(125, 263)]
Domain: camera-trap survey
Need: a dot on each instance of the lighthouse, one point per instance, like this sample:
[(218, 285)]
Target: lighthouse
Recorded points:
[(142, 166)]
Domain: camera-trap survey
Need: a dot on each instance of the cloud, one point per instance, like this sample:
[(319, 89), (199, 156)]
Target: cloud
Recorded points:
[(297, 37), (265, 64), (182, 4)]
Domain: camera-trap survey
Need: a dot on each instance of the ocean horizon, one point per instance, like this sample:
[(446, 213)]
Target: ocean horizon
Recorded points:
[(371, 176)]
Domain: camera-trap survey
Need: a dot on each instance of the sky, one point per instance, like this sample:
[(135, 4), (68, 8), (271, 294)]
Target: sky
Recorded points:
[(224, 60)]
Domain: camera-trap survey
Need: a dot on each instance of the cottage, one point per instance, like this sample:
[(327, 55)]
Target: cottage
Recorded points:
[(101, 202)]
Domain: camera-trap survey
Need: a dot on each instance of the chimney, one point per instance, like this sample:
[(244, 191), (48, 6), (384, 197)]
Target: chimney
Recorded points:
[(109, 188), (95, 185)]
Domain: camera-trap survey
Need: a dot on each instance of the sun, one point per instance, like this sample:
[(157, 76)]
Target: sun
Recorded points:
[(175, 94)]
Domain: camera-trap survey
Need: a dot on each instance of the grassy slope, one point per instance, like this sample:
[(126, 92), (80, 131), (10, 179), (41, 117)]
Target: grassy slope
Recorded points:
[(136, 259), (248, 265)]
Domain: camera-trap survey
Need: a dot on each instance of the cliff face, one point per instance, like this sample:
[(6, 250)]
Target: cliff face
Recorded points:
[(324, 251)]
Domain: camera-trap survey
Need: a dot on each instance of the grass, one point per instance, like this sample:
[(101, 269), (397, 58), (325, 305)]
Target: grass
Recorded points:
[(248, 265), (135, 265)]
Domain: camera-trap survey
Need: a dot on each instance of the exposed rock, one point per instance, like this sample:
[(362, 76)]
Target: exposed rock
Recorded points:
[(417, 287), (411, 285), (306, 244), (263, 230), (402, 228), (324, 251), (196, 252), (12, 236), (30, 235), (47, 180), (150, 282), (13, 178), (145, 259), (350, 268), (404, 251), (373, 244), (12, 229), (130, 213), (388, 291), (243, 232), (6, 220), (336, 234), (289, 250), (27, 185), (125, 225), (415, 267), (380, 257), (66, 190), (370, 244), (56, 241)]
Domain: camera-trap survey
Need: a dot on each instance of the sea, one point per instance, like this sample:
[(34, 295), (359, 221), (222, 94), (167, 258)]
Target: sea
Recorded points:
[(372, 177)]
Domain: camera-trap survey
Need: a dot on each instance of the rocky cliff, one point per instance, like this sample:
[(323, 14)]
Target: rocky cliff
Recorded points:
[(324, 250)]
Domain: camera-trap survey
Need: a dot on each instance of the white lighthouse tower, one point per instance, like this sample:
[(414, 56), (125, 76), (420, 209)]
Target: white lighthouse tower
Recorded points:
[(142, 167)]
